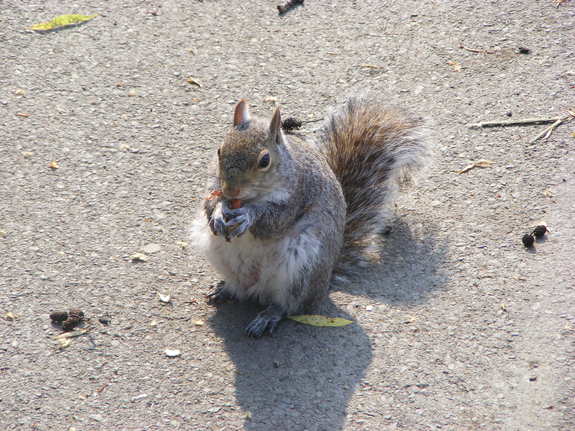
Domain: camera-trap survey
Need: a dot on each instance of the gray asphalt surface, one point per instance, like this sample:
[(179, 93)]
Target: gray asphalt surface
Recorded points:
[(460, 328)]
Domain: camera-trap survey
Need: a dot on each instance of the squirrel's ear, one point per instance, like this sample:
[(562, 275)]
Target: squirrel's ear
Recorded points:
[(242, 113), (276, 125)]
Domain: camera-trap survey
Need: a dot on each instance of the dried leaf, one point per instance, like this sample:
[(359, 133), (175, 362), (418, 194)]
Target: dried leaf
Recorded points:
[(62, 21), (53, 164), (182, 244), (317, 320), (10, 316), (194, 81), (477, 164), (455, 66), (22, 114), (63, 342)]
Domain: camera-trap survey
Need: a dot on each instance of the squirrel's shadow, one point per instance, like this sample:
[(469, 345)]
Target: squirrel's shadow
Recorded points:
[(409, 269), (303, 377)]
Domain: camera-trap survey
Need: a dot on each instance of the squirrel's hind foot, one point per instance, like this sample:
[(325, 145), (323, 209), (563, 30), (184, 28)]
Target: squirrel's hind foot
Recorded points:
[(220, 295), (266, 321)]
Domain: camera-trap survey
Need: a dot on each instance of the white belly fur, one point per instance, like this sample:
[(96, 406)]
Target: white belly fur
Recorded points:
[(255, 268)]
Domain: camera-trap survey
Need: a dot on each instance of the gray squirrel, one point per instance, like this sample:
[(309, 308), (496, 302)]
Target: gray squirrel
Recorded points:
[(286, 216)]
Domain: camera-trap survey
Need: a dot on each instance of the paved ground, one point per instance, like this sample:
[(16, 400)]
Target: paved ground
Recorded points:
[(460, 328)]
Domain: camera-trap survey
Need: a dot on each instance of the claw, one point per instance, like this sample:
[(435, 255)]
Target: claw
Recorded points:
[(220, 295), (266, 321), (237, 222)]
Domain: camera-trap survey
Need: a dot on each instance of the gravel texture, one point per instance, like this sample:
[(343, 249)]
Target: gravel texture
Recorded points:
[(461, 328)]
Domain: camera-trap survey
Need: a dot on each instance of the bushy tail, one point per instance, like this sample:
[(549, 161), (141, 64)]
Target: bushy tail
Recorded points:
[(372, 151)]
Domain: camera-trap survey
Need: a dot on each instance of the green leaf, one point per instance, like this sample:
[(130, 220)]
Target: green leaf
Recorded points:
[(62, 21), (317, 320)]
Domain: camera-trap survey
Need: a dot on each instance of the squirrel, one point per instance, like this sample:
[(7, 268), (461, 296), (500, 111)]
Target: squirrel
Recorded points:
[(288, 215)]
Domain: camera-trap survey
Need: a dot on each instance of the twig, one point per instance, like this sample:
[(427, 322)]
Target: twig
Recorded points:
[(547, 132), (524, 122), (478, 51)]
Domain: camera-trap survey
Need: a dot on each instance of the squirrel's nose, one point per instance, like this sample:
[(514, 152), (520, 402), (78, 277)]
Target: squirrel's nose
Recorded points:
[(231, 192)]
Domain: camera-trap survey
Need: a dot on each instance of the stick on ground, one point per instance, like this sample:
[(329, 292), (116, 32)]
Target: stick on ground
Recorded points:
[(547, 132), (508, 123)]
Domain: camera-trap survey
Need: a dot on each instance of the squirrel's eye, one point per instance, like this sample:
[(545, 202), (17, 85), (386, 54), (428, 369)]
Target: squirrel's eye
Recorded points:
[(264, 161)]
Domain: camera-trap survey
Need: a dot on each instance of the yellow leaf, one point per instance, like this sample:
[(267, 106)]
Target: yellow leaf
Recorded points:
[(53, 164), (317, 320), (62, 21)]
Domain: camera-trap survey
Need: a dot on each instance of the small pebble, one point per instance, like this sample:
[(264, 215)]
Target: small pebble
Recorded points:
[(172, 353), (522, 50)]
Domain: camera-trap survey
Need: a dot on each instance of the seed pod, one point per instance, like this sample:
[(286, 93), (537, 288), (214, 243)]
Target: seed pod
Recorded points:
[(528, 240), (58, 316), (76, 313), (70, 323), (291, 123), (540, 231)]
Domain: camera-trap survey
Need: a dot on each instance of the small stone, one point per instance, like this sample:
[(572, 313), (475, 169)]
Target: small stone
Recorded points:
[(164, 298), (97, 418), (138, 397), (139, 257), (172, 353), (523, 50)]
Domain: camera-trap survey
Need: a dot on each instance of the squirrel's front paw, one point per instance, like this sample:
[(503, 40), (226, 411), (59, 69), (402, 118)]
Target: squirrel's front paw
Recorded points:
[(217, 222), (266, 321), (238, 221)]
